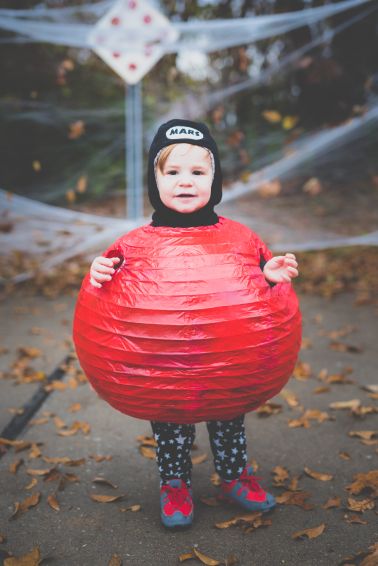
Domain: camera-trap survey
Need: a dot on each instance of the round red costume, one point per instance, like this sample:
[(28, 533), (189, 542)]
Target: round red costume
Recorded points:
[(188, 329)]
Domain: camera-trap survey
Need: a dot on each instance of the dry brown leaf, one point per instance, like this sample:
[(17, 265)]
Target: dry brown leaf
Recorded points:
[(205, 559), (32, 558), (335, 334), (280, 475), (344, 456), (186, 556), (106, 498), (59, 423), (29, 352), (363, 481), (295, 498), (115, 560), (36, 472), (272, 116), (132, 508), (332, 502), (215, 479), (270, 188), (53, 502), (297, 423), (74, 408), (104, 481), (75, 428), (362, 411), (290, 398), (199, 459), (309, 533), (147, 452), (372, 558), (341, 347), (338, 378), (322, 389), (360, 505), (365, 434), (64, 460), (82, 183), (22, 507), (77, 129), (313, 186), (42, 420), (355, 519), (371, 388), (306, 343), (302, 371), (268, 409), (146, 440), (99, 458), (353, 403), (13, 467), (31, 484), (35, 451), (3, 539), (317, 475)]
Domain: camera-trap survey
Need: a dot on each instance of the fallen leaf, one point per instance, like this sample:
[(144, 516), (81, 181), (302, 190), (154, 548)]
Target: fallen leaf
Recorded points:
[(272, 116), (205, 559), (290, 398), (3, 539), (270, 188), (32, 558), (106, 498), (353, 403), (64, 460), (355, 519), (104, 481), (53, 502), (322, 389), (317, 475), (341, 347), (371, 388), (309, 533), (147, 452), (22, 507), (295, 498), (82, 183), (215, 479), (77, 129), (186, 556), (364, 481), (312, 187), (59, 423), (362, 411), (268, 409), (280, 476), (360, 505), (13, 467), (344, 455), (38, 472), (74, 408), (35, 452), (30, 485), (302, 371), (332, 502), (115, 560), (99, 458), (289, 122), (199, 459), (132, 508), (365, 434)]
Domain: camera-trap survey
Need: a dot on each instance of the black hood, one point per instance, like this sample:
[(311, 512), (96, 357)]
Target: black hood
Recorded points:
[(183, 131)]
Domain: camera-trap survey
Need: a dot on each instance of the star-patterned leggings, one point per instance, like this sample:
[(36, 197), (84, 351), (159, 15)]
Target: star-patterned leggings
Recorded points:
[(174, 442)]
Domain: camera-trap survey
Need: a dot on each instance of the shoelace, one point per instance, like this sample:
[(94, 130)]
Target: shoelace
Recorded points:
[(176, 495)]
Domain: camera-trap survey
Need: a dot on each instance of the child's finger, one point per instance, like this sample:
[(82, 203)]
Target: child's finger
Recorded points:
[(94, 283), (106, 261), (103, 269), (292, 256), (293, 271), (101, 276)]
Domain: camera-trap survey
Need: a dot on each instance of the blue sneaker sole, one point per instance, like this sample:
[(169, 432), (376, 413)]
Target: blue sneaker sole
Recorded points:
[(251, 506), (173, 522)]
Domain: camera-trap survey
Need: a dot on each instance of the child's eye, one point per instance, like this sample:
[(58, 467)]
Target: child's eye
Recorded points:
[(171, 172), (197, 172)]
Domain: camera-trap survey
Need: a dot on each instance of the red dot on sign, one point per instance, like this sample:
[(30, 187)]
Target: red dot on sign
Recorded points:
[(115, 21), (132, 5), (147, 19), (132, 66), (116, 54)]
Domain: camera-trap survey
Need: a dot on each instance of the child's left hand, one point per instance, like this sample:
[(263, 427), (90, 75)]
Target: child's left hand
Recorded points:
[(281, 269)]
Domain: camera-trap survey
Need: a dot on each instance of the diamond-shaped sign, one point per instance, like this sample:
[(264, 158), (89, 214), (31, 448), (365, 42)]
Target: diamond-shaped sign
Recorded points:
[(131, 37)]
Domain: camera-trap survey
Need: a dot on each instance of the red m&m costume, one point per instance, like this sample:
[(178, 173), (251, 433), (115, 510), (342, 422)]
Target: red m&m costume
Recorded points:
[(188, 329)]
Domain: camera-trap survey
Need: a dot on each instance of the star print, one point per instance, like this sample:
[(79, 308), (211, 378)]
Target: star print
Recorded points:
[(217, 442), (166, 455), (180, 439), (232, 459), (229, 471), (222, 454), (163, 442), (240, 470), (234, 450), (220, 433), (171, 441)]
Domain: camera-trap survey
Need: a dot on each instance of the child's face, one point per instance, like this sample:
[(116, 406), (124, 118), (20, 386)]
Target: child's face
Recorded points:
[(185, 182)]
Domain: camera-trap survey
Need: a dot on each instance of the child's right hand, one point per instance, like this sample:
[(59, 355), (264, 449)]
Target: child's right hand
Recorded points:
[(102, 270)]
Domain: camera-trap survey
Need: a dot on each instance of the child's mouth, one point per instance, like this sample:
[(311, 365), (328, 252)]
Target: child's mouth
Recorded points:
[(185, 195)]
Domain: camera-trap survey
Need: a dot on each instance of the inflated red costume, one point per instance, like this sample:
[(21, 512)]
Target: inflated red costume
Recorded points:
[(188, 329)]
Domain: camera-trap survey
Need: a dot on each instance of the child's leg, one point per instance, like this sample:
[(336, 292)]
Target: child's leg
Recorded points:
[(229, 446), (174, 443)]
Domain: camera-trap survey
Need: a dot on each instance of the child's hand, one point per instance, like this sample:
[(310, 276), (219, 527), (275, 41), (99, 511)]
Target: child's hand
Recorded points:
[(102, 269), (281, 269)]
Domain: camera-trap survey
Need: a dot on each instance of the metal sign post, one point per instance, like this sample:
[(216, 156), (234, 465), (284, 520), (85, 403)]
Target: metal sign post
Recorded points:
[(131, 38)]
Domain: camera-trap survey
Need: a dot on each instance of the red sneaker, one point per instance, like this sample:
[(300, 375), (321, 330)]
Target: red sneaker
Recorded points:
[(176, 504), (247, 492)]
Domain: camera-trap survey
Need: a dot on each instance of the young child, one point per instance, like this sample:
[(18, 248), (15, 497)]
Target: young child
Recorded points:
[(184, 185)]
